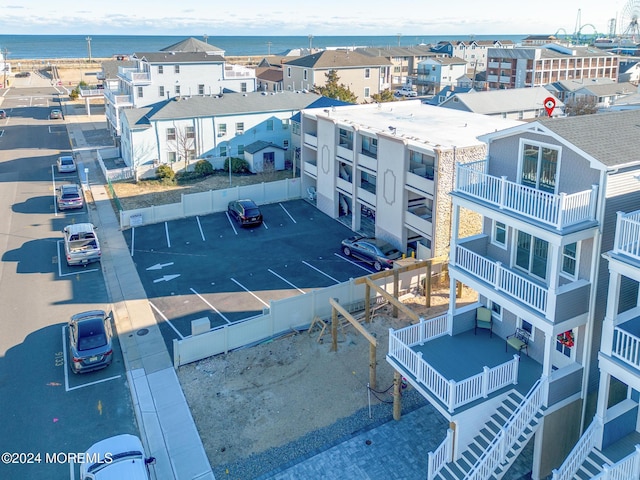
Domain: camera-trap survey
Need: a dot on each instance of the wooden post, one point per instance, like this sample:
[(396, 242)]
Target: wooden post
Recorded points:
[(395, 292), (397, 400), (458, 289), (367, 306), (372, 365), (427, 285), (334, 328)]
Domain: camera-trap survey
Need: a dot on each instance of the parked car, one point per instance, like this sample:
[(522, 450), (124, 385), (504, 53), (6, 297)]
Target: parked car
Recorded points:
[(66, 164), (245, 212), (116, 458), (371, 250), (405, 92), (23, 74), (90, 337), (3, 114), (55, 114), (69, 196), (81, 245)]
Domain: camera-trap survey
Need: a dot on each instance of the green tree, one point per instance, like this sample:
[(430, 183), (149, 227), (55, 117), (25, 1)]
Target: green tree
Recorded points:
[(384, 96), (333, 89)]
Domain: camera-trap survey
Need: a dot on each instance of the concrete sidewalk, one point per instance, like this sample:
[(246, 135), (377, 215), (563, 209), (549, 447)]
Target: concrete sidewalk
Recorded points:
[(164, 417)]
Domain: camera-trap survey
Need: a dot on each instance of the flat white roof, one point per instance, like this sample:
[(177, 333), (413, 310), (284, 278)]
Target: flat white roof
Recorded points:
[(417, 122)]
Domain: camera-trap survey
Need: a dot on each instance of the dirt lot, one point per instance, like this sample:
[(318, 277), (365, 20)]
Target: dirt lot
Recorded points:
[(250, 403)]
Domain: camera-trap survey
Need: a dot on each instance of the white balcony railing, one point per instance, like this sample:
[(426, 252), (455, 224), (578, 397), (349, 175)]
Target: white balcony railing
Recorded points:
[(134, 75), (440, 456), (503, 279), (496, 453), (627, 239), (311, 139), (580, 452), (628, 467), (626, 347), (91, 92), (451, 393), (558, 211)]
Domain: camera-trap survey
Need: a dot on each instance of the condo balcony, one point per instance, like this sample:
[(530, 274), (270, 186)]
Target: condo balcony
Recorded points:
[(134, 76), (554, 210), (473, 260), (118, 99), (627, 239)]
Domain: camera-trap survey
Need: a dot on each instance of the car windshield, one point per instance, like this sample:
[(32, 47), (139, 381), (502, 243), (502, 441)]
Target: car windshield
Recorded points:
[(91, 334), (252, 212)]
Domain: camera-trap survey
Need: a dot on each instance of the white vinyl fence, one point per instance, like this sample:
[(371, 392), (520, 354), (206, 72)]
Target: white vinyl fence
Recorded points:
[(283, 316), (204, 203)]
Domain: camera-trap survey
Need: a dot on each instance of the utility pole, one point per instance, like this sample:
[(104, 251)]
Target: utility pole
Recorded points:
[(268, 48), (5, 66), (399, 35), (310, 43), (88, 39), (206, 38)]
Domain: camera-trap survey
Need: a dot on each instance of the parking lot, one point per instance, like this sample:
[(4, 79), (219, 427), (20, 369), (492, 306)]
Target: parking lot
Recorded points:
[(209, 267)]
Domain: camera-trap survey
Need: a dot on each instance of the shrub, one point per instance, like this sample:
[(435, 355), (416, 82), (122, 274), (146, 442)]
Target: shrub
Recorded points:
[(238, 165), (203, 168), (165, 172), (75, 93)]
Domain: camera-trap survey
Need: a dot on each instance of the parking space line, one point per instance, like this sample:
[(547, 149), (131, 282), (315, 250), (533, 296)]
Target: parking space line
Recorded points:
[(133, 239), (231, 223), (264, 224), (166, 229), (166, 320), (286, 281), (200, 227), (60, 274), (320, 271), (250, 292), (352, 262), (55, 199), (66, 369), (287, 212), (209, 305)]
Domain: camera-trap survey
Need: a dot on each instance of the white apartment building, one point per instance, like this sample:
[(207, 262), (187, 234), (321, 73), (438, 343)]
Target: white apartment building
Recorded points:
[(158, 76), (396, 159), (547, 192)]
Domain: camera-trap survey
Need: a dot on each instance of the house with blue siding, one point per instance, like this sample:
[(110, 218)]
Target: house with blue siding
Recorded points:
[(527, 371)]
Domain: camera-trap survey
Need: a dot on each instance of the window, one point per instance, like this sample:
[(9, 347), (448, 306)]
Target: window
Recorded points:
[(422, 164), (200, 89), (285, 124), (570, 260), (191, 155), (367, 92), (171, 133), (295, 129), (239, 128), (161, 91), (243, 87), (176, 68), (190, 132), (270, 124), (304, 75), (177, 89), (223, 150), (367, 73), (531, 254), (526, 326), (140, 92), (496, 310), (565, 342), (240, 149), (160, 69), (222, 129), (539, 167), (346, 139), (285, 144), (499, 234), (171, 157), (369, 146)]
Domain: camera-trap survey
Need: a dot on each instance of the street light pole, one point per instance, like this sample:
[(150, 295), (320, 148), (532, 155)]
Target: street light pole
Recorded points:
[(5, 66), (88, 39)]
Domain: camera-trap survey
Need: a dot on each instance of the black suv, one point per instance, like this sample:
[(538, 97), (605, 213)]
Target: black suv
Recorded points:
[(245, 212)]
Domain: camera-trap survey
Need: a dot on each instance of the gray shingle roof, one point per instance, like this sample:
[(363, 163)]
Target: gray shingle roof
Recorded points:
[(179, 57), (622, 88), (508, 100), (193, 45), (110, 67), (338, 59), (260, 145), (229, 104), (610, 138)]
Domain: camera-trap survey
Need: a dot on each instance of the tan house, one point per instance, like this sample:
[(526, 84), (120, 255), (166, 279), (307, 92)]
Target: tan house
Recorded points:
[(363, 74)]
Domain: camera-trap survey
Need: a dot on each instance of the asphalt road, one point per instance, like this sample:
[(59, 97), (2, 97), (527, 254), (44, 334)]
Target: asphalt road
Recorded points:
[(47, 412), (210, 267)]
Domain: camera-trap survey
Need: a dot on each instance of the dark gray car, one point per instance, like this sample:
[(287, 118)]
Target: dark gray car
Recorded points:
[(245, 212), (90, 338), (371, 250)]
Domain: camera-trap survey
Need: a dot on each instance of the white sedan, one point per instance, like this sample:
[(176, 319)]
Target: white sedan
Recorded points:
[(116, 458)]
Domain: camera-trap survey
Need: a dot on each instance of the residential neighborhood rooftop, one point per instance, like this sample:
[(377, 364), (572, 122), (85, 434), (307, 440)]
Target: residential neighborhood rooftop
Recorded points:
[(506, 100), (179, 57), (414, 121), (342, 58)]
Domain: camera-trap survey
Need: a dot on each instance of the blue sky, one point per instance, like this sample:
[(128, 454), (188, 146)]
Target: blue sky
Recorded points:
[(319, 17)]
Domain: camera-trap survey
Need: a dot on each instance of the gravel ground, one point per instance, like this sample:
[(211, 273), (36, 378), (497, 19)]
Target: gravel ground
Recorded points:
[(262, 408)]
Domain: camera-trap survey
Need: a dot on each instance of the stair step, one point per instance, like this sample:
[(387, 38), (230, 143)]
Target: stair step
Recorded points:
[(599, 458), (453, 470)]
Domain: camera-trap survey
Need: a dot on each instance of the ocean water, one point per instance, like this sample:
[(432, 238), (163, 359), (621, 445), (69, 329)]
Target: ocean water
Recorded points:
[(105, 46)]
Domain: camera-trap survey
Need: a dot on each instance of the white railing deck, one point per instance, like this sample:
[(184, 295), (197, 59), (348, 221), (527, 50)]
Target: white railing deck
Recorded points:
[(440, 456), (520, 419), (580, 452), (627, 238), (451, 393), (626, 469), (626, 347), (503, 279), (556, 210)]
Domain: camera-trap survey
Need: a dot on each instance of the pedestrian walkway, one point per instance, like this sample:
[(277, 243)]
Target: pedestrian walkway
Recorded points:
[(162, 411)]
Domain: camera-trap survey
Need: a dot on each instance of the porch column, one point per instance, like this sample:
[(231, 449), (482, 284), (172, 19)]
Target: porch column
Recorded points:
[(613, 300), (549, 341), (555, 252), (88, 105), (603, 398)]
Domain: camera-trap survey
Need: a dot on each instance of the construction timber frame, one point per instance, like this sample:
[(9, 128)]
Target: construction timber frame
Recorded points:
[(369, 282)]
